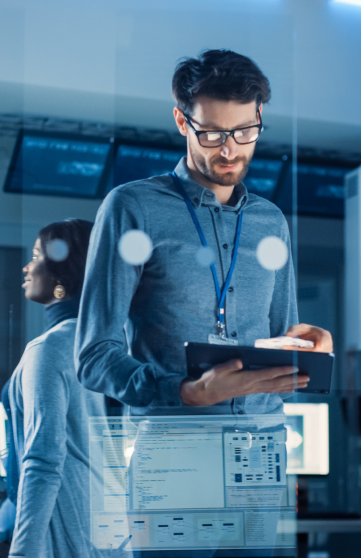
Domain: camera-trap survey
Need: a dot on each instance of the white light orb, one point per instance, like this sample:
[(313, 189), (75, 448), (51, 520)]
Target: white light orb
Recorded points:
[(272, 253), (57, 250), (128, 452), (205, 256), (135, 247)]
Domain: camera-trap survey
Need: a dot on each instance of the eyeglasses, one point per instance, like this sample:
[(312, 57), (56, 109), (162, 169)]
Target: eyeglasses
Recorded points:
[(216, 138)]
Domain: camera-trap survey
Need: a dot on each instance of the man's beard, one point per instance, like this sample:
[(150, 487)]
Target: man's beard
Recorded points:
[(223, 179)]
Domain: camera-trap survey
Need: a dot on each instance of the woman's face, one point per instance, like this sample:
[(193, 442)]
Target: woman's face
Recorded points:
[(38, 285)]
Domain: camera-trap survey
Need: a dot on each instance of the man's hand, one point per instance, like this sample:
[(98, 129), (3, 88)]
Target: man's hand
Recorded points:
[(226, 381), (321, 338)]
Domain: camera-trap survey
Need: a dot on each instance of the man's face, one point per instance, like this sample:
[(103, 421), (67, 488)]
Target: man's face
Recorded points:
[(226, 165)]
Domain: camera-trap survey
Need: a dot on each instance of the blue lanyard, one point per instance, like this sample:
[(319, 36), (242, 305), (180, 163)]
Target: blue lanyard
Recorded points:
[(221, 294)]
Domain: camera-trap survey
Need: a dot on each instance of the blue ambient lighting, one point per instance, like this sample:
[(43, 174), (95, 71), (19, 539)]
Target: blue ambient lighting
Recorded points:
[(352, 2)]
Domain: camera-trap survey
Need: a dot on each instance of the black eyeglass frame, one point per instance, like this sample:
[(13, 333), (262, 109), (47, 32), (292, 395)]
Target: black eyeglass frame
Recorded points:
[(226, 133)]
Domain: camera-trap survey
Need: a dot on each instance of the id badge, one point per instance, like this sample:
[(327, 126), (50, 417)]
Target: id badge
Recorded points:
[(217, 340)]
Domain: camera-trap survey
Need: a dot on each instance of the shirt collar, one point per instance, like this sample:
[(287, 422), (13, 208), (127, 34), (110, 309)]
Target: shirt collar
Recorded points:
[(200, 195), (60, 311)]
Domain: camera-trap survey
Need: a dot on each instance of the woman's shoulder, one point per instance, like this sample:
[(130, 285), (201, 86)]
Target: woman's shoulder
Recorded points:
[(55, 347), (61, 333)]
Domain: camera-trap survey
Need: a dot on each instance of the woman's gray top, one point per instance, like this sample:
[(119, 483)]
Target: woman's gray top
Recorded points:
[(50, 411)]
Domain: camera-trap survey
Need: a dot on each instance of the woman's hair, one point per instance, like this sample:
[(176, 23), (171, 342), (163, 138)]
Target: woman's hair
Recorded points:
[(74, 235), (219, 74)]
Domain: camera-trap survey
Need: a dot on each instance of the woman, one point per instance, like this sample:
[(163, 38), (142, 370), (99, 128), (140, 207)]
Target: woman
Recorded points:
[(49, 407)]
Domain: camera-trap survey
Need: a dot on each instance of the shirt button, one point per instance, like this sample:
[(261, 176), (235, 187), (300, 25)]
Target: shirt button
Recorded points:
[(234, 334), (225, 246), (230, 290), (240, 412), (196, 200), (216, 209)]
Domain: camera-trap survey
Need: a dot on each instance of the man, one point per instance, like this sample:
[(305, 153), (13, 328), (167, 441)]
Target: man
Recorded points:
[(172, 299)]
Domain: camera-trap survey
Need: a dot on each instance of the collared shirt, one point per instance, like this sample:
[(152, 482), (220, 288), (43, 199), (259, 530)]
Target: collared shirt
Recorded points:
[(171, 299)]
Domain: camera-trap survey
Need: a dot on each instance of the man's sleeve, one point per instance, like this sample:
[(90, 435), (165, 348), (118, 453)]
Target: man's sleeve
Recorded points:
[(110, 283), (283, 311), (45, 401)]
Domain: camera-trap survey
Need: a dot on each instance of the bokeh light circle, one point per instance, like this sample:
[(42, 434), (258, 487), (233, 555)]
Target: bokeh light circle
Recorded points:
[(272, 253), (57, 250), (135, 247), (205, 256)]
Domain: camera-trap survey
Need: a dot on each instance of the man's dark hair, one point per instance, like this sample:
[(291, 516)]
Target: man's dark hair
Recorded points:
[(219, 74), (70, 271)]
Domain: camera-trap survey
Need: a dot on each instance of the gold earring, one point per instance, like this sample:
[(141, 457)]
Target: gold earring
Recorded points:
[(59, 291)]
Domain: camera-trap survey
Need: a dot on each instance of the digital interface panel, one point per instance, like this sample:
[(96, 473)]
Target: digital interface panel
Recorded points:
[(320, 190), (185, 483), (135, 163), (307, 438), (55, 165)]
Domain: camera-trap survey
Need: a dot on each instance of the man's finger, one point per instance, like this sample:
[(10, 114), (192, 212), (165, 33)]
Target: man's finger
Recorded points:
[(321, 338), (271, 373), (282, 383), (230, 366), (296, 330)]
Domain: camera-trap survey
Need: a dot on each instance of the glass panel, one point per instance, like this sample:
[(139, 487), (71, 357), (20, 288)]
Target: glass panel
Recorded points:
[(130, 450)]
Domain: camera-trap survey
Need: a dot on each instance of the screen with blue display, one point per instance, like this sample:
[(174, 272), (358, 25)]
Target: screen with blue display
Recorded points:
[(57, 165), (263, 176), (320, 190), (135, 162)]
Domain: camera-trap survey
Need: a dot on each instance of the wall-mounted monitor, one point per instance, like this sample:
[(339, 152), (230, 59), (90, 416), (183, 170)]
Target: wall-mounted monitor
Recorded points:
[(263, 177), (58, 164), (135, 162), (74, 165), (307, 438), (320, 190)]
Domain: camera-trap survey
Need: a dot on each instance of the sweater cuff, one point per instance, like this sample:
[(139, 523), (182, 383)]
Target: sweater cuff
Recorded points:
[(168, 391)]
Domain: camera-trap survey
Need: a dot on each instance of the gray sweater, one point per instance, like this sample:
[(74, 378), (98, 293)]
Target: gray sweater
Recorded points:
[(50, 411), (171, 299)]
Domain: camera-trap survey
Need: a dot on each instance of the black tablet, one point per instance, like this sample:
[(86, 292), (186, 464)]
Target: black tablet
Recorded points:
[(318, 366)]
